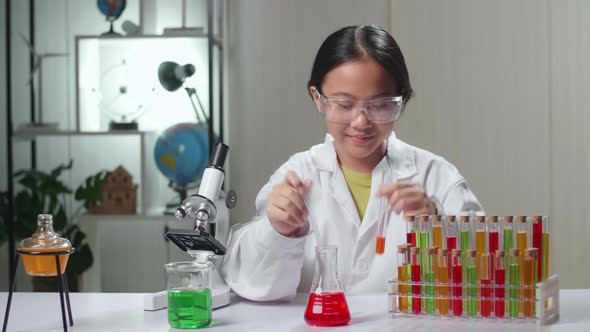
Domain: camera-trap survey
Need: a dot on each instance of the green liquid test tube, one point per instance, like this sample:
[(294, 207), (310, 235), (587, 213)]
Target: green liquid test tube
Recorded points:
[(508, 244), (514, 273), (471, 283), (429, 280)]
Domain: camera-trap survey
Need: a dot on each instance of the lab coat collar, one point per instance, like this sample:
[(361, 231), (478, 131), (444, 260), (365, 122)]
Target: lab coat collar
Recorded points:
[(399, 154)]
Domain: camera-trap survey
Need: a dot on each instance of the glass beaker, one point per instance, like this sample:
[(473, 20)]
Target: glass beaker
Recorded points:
[(44, 240), (189, 293), (327, 304)]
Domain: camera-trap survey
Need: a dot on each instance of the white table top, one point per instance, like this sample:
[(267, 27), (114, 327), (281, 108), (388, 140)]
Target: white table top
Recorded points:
[(124, 312)]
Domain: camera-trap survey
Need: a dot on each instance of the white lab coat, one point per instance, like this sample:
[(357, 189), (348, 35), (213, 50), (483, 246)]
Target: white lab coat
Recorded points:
[(261, 264)]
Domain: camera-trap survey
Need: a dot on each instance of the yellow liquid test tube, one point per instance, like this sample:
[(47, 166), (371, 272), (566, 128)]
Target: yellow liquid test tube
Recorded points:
[(437, 231), (402, 277), (480, 247), (442, 280), (529, 271)]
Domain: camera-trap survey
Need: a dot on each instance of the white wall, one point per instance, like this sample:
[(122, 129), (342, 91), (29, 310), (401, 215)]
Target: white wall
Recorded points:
[(272, 45), (501, 92), (569, 43)]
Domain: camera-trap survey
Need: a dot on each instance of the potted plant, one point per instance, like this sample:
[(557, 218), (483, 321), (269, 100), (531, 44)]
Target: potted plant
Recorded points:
[(43, 192)]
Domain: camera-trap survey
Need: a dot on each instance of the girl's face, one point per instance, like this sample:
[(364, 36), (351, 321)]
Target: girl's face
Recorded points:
[(360, 144)]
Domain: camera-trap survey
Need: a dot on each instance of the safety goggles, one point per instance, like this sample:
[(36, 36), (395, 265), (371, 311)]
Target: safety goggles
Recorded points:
[(383, 110)]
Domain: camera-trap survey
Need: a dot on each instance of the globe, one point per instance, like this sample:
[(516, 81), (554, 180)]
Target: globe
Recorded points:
[(182, 153), (112, 9)]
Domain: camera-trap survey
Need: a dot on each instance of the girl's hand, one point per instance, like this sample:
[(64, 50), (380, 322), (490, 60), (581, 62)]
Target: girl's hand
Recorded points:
[(285, 206), (407, 197)]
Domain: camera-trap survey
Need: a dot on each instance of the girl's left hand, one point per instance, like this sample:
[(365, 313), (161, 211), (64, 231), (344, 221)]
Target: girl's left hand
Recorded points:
[(407, 197)]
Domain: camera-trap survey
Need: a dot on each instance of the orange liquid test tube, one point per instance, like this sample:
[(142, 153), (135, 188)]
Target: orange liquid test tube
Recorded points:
[(529, 273), (402, 276), (442, 280)]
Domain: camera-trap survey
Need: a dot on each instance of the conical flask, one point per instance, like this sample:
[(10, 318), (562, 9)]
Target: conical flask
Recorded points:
[(327, 304)]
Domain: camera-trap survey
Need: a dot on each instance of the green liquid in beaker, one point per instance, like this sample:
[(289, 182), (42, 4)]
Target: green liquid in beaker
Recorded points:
[(189, 308)]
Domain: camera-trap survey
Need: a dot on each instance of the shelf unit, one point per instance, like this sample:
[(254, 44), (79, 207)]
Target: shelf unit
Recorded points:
[(212, 35)]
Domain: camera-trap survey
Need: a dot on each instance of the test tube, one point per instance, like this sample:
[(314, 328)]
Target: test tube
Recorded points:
[(493, 234), (424, 241), (546, 250), (480, 241), (486, 282), (529, 270), (452, 232), (546, 253), (471, 282), (493, 241), (442, 280), (480, 246), (429, 280), (437, 240), (410, 229), (465, 229), (437, 231), (416, 291), (402, 276), (538, 243), (514, 276), (500, 280), (508, 234), (522, 234), (457, 277)]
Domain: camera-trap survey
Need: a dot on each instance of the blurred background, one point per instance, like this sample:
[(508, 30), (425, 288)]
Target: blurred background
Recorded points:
[(500, 92)]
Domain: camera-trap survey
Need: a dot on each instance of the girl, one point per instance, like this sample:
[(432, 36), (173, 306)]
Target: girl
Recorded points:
[(360, 82)]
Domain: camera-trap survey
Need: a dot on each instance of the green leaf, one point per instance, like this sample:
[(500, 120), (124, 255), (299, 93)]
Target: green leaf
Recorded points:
[(56, 172), (59, 219)]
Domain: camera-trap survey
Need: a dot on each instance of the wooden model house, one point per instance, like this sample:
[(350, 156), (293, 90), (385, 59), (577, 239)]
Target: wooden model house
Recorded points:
[(119, 194)]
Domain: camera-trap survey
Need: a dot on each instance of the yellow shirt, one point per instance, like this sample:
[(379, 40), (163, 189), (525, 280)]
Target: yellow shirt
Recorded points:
[(359, 185)]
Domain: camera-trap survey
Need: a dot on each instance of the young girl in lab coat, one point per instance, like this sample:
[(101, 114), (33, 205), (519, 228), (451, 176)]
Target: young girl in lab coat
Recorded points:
[(360, 82)]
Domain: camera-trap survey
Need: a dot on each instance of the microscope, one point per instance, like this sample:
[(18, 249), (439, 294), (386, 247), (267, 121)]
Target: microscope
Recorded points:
[(208, 211)]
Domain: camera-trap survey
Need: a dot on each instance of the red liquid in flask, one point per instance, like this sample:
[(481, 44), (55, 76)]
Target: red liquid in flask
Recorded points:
[(500, 292), (327, 309)]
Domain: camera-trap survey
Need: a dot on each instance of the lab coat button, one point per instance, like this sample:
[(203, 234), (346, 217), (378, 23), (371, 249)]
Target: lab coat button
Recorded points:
[(362, 267)]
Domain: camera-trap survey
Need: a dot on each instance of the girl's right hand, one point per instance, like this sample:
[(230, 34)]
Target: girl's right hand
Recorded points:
[(285, 206)]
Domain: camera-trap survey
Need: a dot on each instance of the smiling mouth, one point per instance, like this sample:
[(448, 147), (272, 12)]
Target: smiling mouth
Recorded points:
[(360, 138)]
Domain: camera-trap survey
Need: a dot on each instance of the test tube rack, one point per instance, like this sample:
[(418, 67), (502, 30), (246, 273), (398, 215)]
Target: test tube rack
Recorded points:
[(544, 305)]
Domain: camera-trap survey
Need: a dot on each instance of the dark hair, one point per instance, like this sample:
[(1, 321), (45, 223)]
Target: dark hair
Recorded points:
[(355, 43)]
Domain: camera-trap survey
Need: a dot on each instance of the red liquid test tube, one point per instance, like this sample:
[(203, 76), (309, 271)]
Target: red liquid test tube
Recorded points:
[(500, 279), (416, 288)]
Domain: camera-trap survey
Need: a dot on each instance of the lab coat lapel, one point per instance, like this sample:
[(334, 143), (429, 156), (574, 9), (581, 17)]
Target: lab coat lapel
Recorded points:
[(325, 159), (398, 164)]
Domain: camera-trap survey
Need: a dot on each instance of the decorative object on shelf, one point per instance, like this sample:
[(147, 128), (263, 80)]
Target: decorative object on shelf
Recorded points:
[(181, 153), (119, 194), (172, 77), (45, 192), (37, 71), (112, 9), (120, 99)]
